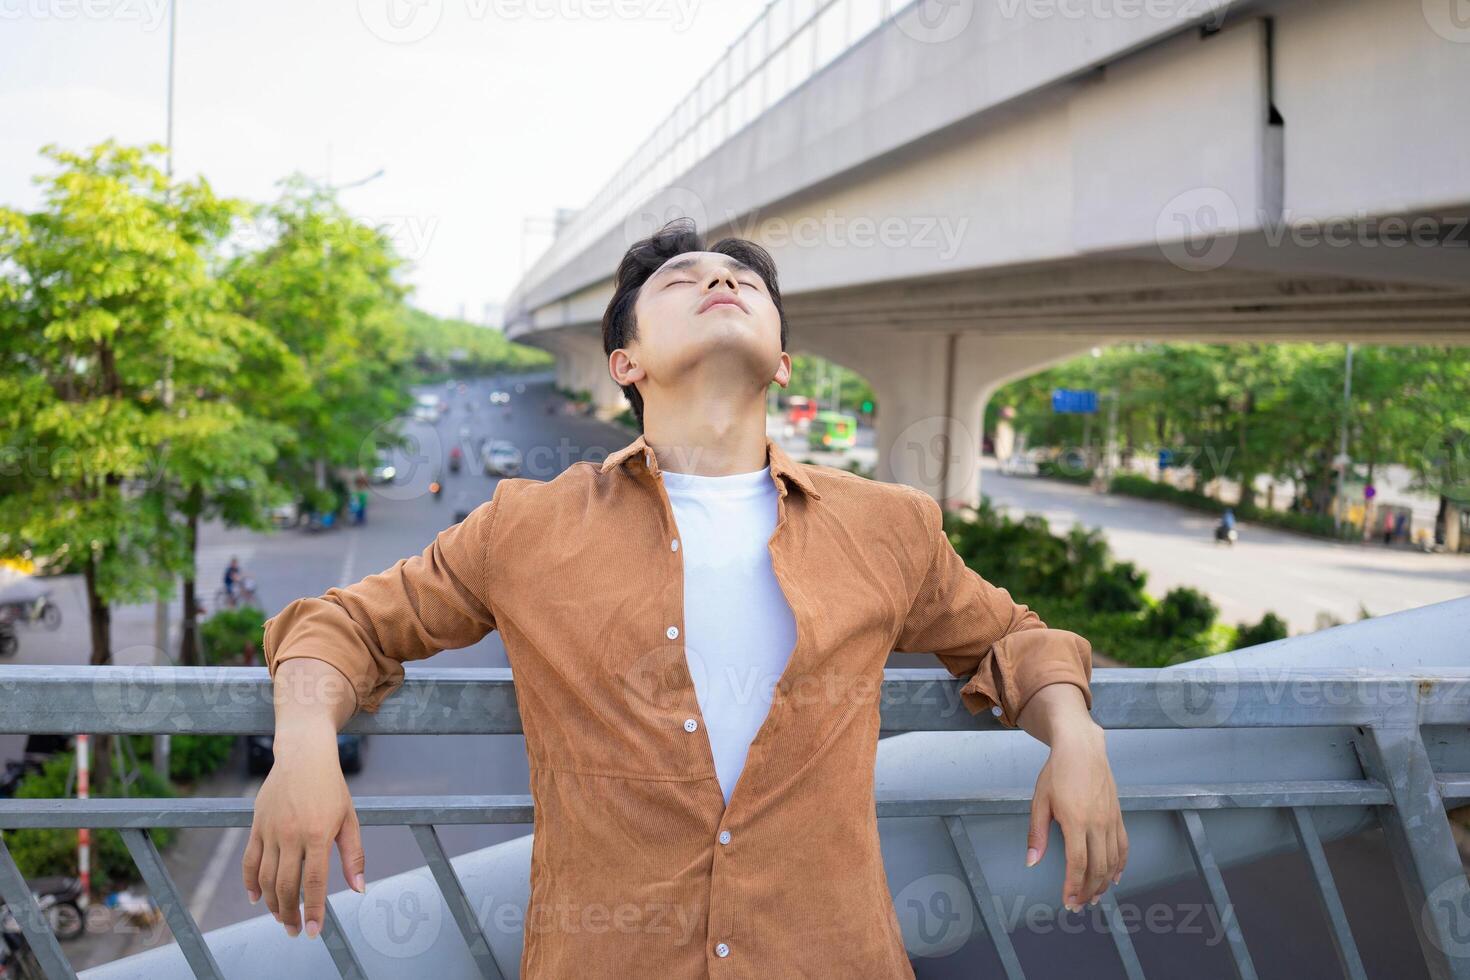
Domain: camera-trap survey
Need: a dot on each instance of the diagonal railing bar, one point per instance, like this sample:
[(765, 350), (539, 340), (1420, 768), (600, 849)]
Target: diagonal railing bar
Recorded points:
[(1204, 860), (1118, 929), (180, 921), (334, 937), (459, 903), (1342, 933), (984, 899), (32, 921), (1417, 831)]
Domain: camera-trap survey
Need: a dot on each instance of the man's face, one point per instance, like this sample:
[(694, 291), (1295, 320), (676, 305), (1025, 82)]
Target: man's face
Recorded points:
[(702, 309)]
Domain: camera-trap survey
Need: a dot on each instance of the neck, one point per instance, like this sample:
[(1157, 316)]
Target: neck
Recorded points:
[(709, 435)]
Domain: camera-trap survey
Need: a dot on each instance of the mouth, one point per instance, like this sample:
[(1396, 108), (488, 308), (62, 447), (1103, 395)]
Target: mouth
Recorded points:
[(722, 300)]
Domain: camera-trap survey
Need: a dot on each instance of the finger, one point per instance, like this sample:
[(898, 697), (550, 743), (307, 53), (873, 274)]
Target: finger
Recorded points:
[(288, 888), (250, 866), (1097, 857), (1076, 843), (1040, 828), (314, 884), (349, 848), (270, 860)]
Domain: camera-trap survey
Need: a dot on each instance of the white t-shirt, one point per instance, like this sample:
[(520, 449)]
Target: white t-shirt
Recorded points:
[(738, 628)]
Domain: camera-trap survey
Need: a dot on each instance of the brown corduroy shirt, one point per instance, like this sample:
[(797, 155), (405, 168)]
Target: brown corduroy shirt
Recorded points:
[(638, 867)]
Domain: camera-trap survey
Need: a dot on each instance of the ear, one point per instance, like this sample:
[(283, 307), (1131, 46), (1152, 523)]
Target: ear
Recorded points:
[(623, 368), (782, 376)]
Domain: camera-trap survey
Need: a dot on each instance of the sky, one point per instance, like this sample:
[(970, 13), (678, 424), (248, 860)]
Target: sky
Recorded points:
[(484, 115)]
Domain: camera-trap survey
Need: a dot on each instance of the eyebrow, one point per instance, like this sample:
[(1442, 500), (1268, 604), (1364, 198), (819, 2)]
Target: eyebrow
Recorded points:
[(730, 263)]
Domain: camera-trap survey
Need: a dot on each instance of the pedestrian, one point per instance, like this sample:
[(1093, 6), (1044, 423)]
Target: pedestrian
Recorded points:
[(650, 602), (232, 575)]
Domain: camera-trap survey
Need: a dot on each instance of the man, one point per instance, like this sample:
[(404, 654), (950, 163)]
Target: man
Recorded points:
[(232, 575), (697, 627)]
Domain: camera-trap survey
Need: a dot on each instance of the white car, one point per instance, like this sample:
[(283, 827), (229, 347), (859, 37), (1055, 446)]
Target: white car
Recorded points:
[(500, 458)]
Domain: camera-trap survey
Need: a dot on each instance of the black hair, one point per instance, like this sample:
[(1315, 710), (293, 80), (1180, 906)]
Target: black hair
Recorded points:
[(643, 259)]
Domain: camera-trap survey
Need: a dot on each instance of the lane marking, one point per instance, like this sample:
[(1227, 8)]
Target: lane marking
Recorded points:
[(214, 871)]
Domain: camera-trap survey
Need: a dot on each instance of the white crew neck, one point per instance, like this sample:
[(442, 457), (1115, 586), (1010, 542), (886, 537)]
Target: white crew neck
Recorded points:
[(730, 483)]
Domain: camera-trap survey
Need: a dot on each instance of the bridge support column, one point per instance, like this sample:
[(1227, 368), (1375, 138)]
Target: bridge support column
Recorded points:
[(931, 391), (582, 366)]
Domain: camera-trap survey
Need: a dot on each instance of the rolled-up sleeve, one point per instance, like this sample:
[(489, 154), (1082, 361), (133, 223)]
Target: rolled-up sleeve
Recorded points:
[(424, 604), (975, 628)]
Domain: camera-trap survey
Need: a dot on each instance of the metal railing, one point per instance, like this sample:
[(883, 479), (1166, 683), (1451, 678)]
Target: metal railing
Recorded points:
[(787, 44), (1384, 708)]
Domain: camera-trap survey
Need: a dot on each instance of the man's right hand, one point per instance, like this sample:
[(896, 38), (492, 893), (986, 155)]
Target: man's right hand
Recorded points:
[(302, 808)]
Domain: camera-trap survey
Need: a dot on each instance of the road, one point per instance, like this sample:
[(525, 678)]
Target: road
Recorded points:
[(1296, 576), (402, 520)]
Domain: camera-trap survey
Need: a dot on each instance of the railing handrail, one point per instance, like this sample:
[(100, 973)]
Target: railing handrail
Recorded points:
[(481, 700)]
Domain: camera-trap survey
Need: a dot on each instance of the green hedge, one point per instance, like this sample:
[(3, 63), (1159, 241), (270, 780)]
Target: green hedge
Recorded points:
[(1061, 469), (1072, 582), (228, 630), (52, 851), (1135, 485), (190, 757)]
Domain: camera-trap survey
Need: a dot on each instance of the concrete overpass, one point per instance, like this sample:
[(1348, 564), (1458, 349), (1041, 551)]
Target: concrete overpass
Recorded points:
[(966, 192)]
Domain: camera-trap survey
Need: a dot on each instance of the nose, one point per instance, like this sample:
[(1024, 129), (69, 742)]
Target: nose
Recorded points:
[(722, 277)]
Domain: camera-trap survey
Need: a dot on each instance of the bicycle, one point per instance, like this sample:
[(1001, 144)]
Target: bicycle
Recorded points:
[(244, 595)]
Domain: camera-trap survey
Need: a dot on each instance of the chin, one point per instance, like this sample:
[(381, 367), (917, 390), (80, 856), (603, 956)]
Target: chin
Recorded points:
[(734, 350)]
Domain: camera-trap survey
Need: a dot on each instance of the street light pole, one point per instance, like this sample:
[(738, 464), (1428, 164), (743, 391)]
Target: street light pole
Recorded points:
[(161, 639), (1342, 447)]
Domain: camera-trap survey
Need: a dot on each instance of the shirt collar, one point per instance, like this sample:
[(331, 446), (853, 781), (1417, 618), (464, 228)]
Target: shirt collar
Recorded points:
[(784, 470)]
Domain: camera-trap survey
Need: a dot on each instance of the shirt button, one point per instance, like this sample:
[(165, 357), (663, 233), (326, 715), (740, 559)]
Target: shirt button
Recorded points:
[(995, 710), (722, 950), (690, 724), (674, 545), (672, 632), (724, 837)]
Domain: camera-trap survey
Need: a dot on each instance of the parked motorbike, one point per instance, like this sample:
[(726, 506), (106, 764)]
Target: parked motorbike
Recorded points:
[(59, 898), (32, 611)]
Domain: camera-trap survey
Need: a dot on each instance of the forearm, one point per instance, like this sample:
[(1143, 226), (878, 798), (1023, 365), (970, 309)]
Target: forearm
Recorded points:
[(311, 697), (1058, 713)]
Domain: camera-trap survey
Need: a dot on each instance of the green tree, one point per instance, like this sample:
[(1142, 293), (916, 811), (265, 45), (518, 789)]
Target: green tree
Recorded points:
[(105, 286), (326, 285)]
